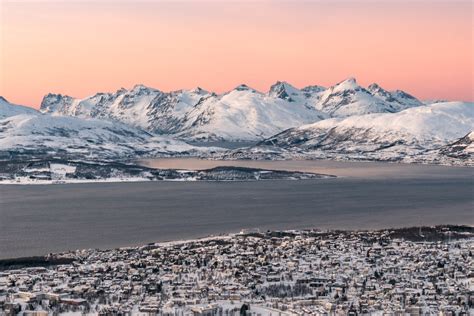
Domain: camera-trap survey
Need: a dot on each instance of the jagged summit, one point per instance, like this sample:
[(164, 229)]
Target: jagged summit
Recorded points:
[(122, 90), (141, 88), (199, 90), (243, 87), (348, 98), (55, 103), (398, 99), (283, 90), (375, 89), (313, 89)]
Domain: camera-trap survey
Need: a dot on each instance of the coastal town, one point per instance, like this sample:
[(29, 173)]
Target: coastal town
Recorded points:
[(310, 272)]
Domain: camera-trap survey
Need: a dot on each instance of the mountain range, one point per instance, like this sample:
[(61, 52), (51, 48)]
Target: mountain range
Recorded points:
[(344, 121), (242, 114)]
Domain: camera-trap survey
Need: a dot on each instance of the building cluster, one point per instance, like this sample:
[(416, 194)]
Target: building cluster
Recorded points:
[(273, 273)]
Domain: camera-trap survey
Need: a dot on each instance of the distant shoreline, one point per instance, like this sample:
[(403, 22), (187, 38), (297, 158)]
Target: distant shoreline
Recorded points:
[(47, 171)]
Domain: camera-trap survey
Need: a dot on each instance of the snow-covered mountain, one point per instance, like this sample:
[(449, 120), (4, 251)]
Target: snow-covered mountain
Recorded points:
[(383, 136), (244, 114), (8, 109), (39, 135), (240, 114), (398, 99), (348, 98), (147, 122), (141, 106)]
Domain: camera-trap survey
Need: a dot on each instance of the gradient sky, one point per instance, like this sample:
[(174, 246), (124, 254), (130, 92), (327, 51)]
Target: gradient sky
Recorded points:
[(82, 47)]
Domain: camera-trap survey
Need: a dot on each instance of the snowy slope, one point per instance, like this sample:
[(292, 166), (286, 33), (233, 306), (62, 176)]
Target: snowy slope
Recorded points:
[(383, 136), (76, 138), (461, 148), (431, 125), (8, 109)]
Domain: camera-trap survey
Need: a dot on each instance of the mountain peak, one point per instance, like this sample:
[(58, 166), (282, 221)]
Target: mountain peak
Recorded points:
[(398, 99), (283, 90), (402, 94), (138, 88), (52, 101), (121, 91), (374, 87), (3, 99), (348, 84), (199, 90), (282, 84), (377, 90), (313, 89), (243, 87), (53, 97)]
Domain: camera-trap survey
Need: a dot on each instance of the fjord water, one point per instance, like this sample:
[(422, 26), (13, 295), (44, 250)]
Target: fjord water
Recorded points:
[(38, 219)]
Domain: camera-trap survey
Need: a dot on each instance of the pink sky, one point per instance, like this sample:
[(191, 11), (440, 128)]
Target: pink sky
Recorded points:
[(80, 48)]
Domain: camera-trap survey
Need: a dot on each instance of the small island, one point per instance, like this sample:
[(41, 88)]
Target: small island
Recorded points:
[(60, 171)]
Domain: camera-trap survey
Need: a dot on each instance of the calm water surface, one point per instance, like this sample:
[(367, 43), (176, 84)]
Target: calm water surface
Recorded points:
[(37, 219)]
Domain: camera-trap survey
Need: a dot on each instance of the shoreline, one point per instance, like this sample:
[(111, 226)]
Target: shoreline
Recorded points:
[(142, 180), (65, 172), (318, 168), (429, 234)]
